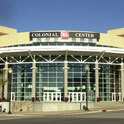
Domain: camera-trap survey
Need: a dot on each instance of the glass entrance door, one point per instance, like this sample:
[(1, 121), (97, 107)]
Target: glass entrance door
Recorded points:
[(77, 96), (12, 96), (52, 96), (119, 97), (113, 96), (116, 96)]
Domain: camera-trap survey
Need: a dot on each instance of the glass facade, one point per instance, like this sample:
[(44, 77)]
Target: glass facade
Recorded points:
[(77, 79), (50, 77), (21, 81), (109, 81)]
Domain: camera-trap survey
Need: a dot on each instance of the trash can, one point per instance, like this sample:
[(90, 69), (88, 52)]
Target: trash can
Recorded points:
[(98, 99), (66, 99), (85, 108)]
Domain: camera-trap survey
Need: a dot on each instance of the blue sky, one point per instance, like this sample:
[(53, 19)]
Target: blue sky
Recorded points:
[(84, 15)]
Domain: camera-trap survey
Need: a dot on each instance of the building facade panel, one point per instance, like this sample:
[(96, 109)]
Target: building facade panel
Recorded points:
[(51, 66)]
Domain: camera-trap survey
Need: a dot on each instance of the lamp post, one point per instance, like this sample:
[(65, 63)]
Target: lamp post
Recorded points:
[(87, 81), (10, 72)]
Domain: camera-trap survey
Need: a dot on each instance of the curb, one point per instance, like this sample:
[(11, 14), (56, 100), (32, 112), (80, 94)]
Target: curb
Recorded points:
[(60, 113)]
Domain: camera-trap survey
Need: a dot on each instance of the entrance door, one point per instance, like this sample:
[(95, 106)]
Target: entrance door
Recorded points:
[(45, 96), (113, 96), (77, 96), (52, 96), (12, 96), (119, 97), (116, 97)]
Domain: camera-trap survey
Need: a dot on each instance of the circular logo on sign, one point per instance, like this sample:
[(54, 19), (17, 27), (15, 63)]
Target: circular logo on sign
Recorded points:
[(65, 35)]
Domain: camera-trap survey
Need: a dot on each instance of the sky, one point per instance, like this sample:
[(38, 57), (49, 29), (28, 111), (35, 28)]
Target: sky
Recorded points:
[(78, 15)]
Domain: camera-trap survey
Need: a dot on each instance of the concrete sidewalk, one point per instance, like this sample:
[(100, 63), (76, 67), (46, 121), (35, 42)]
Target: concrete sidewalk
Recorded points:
[(38, 114)]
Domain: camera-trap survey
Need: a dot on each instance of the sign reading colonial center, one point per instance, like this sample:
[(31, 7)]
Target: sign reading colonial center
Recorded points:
[(44, 34), (64, 35), (84, 35)]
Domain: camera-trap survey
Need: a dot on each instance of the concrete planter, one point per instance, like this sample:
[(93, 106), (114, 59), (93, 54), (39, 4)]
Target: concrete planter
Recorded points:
[(4, 106)]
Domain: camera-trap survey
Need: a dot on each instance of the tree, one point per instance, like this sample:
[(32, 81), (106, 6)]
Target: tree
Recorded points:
[(3, 81)]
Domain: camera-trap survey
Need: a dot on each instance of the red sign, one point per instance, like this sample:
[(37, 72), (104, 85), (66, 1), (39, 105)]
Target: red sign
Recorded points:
[(65, 35)]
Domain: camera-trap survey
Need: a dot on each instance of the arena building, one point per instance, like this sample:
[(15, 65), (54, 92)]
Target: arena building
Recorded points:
[(63, 66)]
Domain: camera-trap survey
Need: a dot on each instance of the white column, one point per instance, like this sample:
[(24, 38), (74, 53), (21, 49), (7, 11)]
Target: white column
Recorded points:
[(65, 79), (33, 80), (6, 78), (122, 80), (97, 79)]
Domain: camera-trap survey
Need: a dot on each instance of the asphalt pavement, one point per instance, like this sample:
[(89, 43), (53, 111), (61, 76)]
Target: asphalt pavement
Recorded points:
[(113, 117)]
